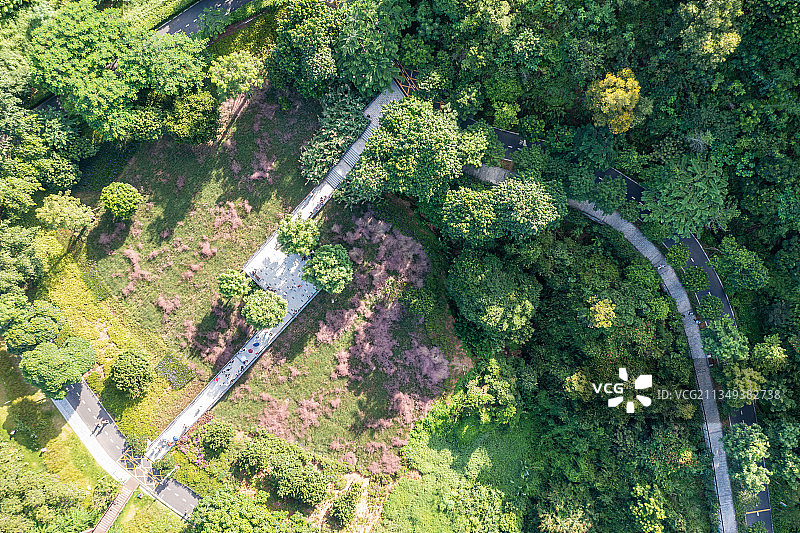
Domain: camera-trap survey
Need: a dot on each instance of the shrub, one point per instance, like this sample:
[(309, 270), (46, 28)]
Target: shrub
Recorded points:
[(695, 279), (299, 236), (136, 444), (218, 437), (343, 508), (678, 255), (165, 464), (252, 459), (330, 269), (341, 123), (264, 309), (658, 309), (295, 480), (644, 275), (233, 283), (131, 374), (710, 307), (51, 368), (121, 199), (194, 118)]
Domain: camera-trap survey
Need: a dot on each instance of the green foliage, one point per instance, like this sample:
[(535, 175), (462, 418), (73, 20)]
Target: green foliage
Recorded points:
[(470, 216), (658, 309), (498, 297), (678, 255), (234, 74), (20, 263), (688, 195), (710, 306), (601, 312), (64, 211), (70, 54), (341, 123), (746, 447), (526, 206), (251, 459), (303, 51), (230, 511), (643, 274), (740, 268), (218, 437), (615, 101), (212, 22), (330, 269), (648, 509), (724, 341), (293, 479), (51, 368), (194, 117), (769, 356), (121, 199), (165, 464), (368, 43), (491, 395), (131, 374), (531, 160), (343, 508), (743, 383), (233, 283), (40, 322), (694, 279), (711, 32), (264, 309), (298, 236)]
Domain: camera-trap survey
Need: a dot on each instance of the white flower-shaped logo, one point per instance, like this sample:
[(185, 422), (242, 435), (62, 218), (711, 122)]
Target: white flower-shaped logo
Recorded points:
[(645, 381)]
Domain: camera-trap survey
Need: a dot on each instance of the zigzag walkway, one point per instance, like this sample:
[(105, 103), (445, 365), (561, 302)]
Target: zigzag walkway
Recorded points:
[(273, 270)]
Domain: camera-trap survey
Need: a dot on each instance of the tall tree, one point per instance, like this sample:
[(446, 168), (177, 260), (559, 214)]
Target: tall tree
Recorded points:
[(747, 446), (330, 269), (470, 216), (527, 206), (51, 368), (742, 269), (65, 211), (723, 340), (39, 323), (264, 309), (299, 236), (615, 101), (235, 73)]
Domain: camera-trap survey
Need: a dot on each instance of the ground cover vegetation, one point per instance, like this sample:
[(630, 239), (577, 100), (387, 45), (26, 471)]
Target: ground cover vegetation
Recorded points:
[(698, 100)]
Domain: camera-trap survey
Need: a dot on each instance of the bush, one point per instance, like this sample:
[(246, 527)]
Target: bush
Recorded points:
[(136, 444), (218, 437), (299, 236), (695, 279), (104, 493), (330, 269), (678, 255), (121, 199), (343, 508), (131, 374), (341, 123), (165, 464), (644, 275), (295, 480), (659, 309), (233, 283), (194, 118), (51, 368), (710, 307), (252, 459), (264, 309)]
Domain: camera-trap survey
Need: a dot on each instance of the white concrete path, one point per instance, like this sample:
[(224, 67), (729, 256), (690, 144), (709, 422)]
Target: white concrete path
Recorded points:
[(273, 270)]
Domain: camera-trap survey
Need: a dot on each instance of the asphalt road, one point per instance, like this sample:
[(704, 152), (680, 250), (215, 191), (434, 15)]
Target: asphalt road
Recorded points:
[(186, 20)]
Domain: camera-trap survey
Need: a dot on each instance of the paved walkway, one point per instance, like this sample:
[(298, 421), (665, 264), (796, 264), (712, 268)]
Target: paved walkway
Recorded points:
[(187, 20), (273, 270), (116, 507)]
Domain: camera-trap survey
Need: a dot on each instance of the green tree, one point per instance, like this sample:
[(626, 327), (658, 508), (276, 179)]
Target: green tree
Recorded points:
[(194, 117), (643, 274), (212, 22), (330, 269), (648, 508), (343, 508), (51, 368), (526, 206), (688, 195), (491, 395), (769, 356), (711, 32), (218, 437), (19, 181), (121, 199), (131, 374), (40, 322), (695, 279), (740, 268), (678, 255), (744, 383), (20, 265), (658, 309), (368, 43), (294, 479), (65, 211), (299, 236), (497, 296), (251, 459), (469, 216), (235, 73), (746, 447), (710, 306), (229, 511), (264, 309), (303, 52), (233, 283), (724, 341)]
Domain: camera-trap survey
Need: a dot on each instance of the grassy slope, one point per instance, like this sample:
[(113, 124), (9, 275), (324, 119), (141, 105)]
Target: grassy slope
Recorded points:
[(145, 515)]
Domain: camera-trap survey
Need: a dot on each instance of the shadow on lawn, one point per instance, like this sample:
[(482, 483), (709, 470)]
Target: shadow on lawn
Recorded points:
[(32, 427), (108, 235)]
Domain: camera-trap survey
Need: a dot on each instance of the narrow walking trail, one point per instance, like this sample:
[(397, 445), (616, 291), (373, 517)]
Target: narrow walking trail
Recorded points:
[(273, 270)]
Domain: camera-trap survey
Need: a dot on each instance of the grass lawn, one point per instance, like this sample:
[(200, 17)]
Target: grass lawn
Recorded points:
[(37, 424), (146, 515)]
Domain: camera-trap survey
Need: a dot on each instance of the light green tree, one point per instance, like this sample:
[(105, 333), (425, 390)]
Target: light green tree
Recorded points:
[(51, 368), (648, 508), (235, 73), (747, 446), (299, 236), (723, 340), (330, 269), (233, 283), (740, 268), (121, 199), (264, 309), (65, 211)]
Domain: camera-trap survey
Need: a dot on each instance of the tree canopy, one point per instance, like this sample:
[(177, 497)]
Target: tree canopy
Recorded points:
[(264, 309), (51, 368), (330, 269)]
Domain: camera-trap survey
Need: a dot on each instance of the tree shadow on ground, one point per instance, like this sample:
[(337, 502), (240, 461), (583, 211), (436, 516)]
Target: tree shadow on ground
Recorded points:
[(32, 427), (107, 236)]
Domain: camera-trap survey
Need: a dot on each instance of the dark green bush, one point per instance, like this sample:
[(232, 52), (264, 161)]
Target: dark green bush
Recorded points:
[(343, 508), (252, 459), (131, 374), (710, 307), (218, 437), (678, 255), (293, 479), (694, 279)]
